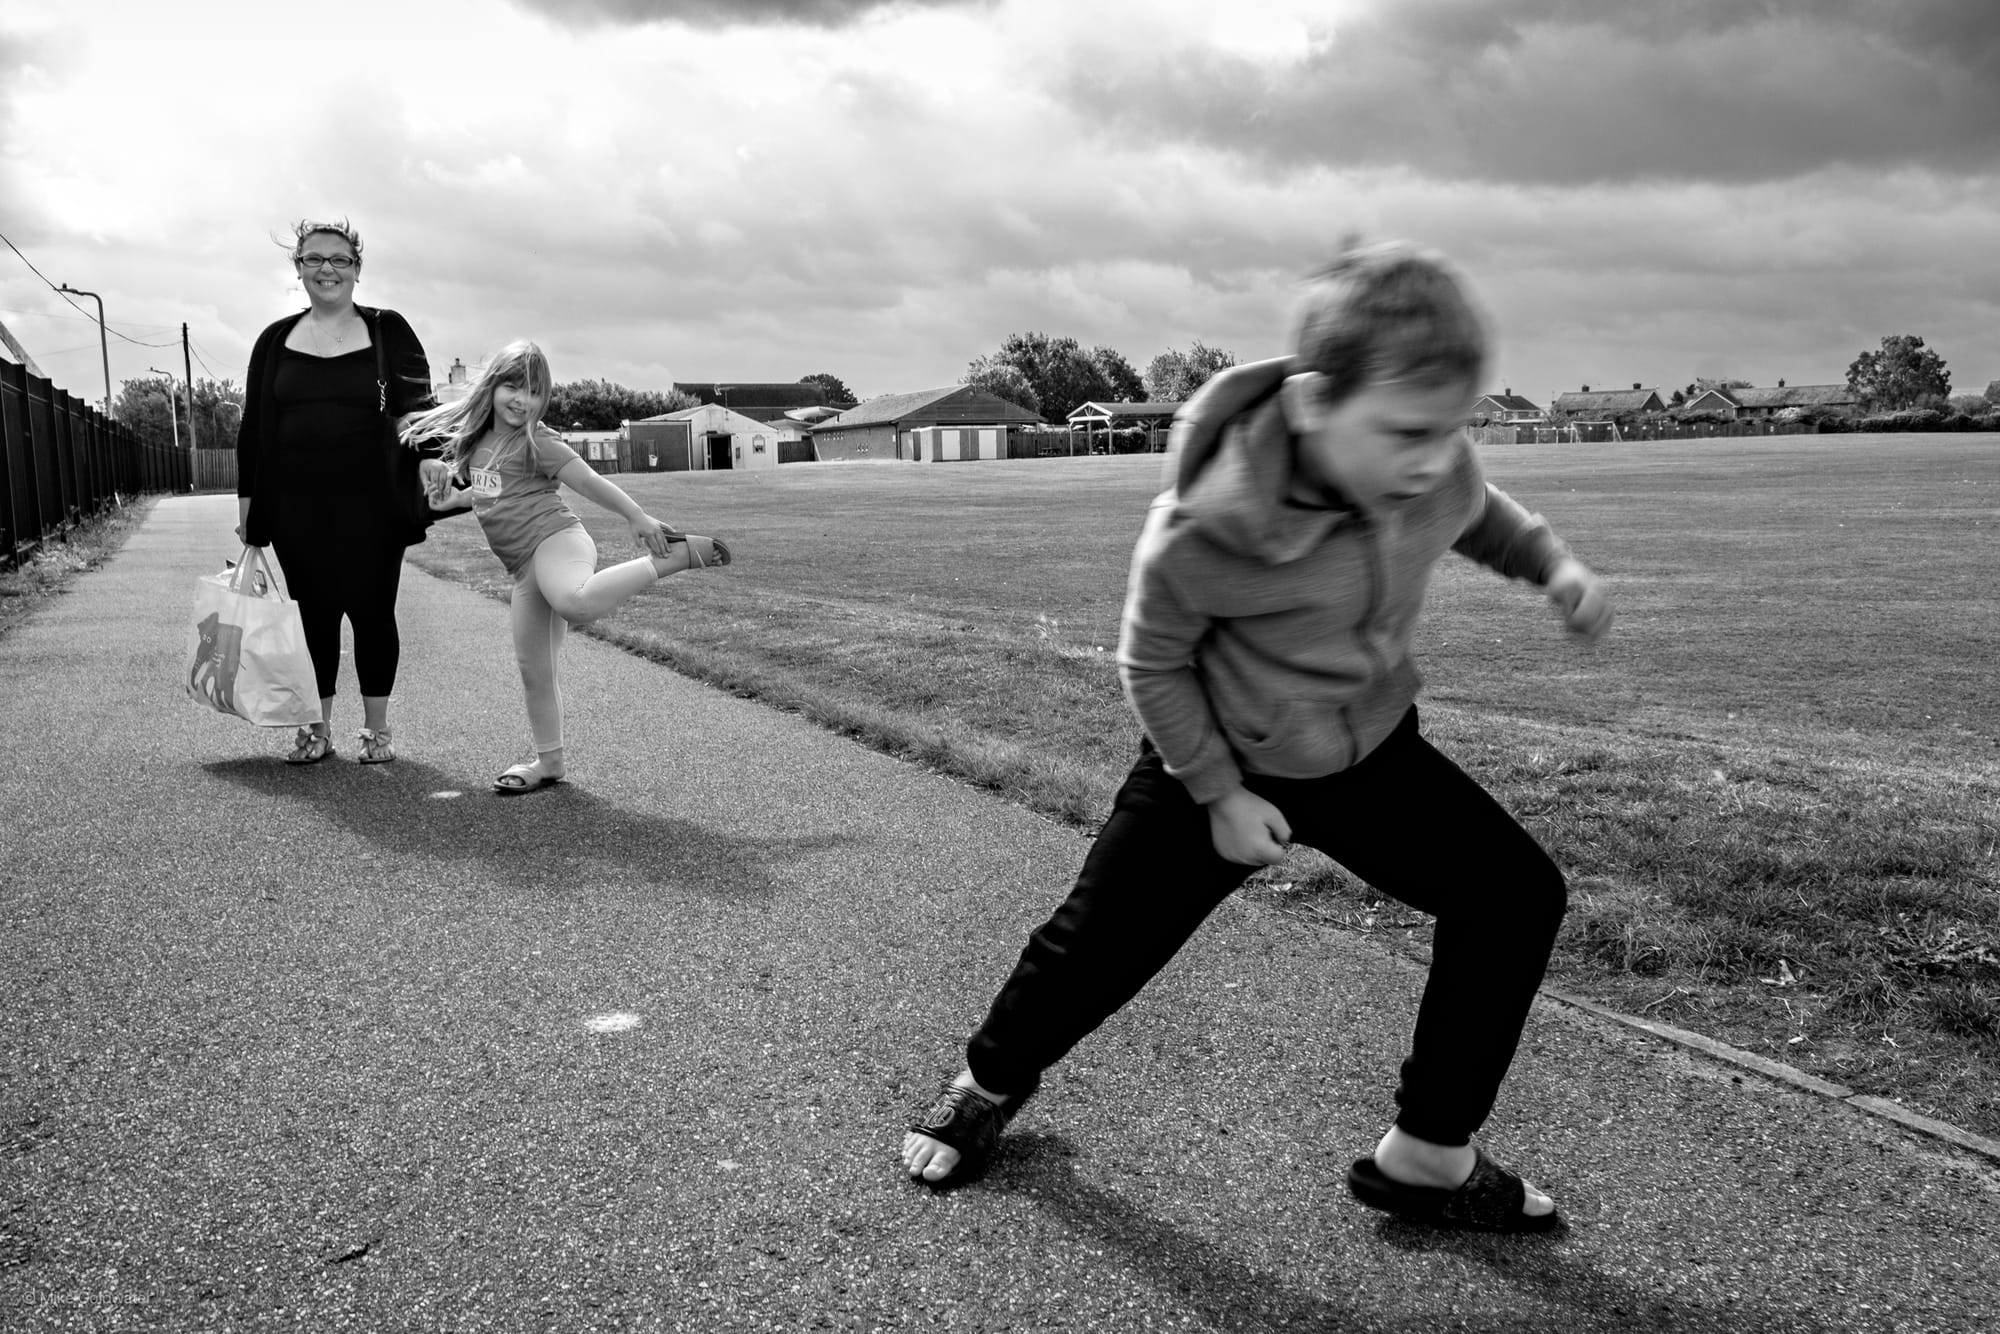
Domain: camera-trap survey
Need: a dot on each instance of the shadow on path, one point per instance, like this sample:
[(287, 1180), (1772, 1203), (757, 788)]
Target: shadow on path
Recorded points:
[(1227, 1293), (412, 810)]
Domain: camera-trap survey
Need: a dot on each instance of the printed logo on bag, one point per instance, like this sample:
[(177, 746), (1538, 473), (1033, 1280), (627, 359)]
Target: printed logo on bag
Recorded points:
[(212, 674)]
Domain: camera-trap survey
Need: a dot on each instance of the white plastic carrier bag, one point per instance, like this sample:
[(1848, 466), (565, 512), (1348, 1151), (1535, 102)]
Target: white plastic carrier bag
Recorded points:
[(246, 651)]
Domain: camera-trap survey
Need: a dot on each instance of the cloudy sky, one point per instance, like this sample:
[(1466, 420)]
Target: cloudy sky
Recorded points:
[(760, 189)]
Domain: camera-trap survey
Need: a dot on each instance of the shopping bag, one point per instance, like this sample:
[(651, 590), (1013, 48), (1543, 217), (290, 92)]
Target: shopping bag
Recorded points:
[(246, 650)]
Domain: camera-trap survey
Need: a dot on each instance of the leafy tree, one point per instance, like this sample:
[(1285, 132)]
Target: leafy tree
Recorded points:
[(147, 407), (1060, 371), (155, 409), (1172, 377), (218, 411), (1003, 380), (1126, 386), (838, 395), (600, 405), (1902, 374)]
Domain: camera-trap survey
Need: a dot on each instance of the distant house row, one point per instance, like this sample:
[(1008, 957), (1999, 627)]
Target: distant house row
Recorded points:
[(763, 425), (1742, 403)]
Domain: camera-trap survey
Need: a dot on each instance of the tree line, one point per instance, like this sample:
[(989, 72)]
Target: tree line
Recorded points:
[(1053, 376)]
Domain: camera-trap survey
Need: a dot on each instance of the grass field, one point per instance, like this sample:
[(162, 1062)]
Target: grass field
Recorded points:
[(1774, 787)]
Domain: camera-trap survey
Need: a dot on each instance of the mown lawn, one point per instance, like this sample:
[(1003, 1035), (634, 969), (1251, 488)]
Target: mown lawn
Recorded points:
[(1775, 788)]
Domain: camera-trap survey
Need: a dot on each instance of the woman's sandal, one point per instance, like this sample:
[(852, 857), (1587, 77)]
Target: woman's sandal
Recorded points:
[(1490, 1199), (375, 747), (960, 1118), (310, 746), (703, 552), (522, 778)]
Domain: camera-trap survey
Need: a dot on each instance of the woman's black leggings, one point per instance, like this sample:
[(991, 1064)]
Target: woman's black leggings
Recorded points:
[(359, 584), (1406, 820)]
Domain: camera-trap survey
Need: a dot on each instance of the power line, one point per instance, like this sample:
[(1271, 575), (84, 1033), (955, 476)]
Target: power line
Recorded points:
[(79, 309)]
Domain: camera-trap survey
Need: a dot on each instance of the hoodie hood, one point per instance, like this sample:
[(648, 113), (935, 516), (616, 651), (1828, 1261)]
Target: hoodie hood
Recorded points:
[(1230, 466)]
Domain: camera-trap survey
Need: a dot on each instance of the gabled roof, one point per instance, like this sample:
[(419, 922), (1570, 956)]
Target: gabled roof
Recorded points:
[(1510, 402), (1608, 400), (1110, 411), (776, 394), (1796, 396), (1726, 395), (731, 417), (954, 403), (766, 402)]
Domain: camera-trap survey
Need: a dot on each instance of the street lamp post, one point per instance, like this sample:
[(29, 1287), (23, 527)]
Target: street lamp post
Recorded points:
[(103, 346), (173, 410)]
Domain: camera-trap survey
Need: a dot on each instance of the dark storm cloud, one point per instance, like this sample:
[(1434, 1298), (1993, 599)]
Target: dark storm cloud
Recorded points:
[(727, 13), (1570, 91)]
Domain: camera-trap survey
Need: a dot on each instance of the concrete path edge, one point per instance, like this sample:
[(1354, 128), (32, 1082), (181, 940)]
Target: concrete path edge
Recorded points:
[(1865, 1103)]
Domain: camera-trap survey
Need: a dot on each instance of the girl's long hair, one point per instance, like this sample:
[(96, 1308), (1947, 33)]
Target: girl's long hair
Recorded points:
[(460, 425)]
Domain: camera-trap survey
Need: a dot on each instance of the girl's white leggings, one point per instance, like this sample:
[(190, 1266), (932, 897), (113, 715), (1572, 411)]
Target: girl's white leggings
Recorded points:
[(560, 585)]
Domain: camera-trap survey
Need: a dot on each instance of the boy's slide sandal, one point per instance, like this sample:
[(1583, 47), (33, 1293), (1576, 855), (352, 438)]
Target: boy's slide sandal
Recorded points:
[(959, 1118), (1490, 1199), (522, 778)]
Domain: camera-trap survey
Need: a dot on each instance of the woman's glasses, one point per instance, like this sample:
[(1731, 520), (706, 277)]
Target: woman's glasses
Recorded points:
[(312, 261)]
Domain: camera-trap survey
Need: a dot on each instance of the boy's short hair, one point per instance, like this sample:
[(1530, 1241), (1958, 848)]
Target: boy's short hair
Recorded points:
[(1392, 311)]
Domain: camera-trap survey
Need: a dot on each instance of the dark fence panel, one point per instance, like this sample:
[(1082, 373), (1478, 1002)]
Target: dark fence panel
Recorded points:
[(64, 461)]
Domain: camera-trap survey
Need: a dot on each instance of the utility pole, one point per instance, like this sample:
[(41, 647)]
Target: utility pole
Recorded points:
[(103, 345), (187, 378)]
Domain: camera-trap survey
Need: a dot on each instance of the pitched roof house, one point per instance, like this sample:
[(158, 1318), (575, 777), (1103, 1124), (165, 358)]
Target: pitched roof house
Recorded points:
[(1748, 402), (881, 427), (765, 402), (1506, 406), (1604, 404)]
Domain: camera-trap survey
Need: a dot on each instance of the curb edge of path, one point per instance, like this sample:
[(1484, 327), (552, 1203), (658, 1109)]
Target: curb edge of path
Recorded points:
[(1866, 1103)]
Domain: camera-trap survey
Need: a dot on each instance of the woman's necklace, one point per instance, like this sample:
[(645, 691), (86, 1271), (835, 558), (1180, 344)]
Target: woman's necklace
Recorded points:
[(320, 343)]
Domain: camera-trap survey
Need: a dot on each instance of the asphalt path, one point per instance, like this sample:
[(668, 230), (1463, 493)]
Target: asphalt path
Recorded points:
[(348, 1048)]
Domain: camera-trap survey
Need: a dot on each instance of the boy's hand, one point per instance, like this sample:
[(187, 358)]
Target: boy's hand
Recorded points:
[(1581, 597), (1248, 829)]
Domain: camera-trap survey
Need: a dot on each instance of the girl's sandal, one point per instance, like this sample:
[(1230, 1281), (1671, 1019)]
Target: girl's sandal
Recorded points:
[(310, 746), (703, 552), (375, 747), (524, 778)]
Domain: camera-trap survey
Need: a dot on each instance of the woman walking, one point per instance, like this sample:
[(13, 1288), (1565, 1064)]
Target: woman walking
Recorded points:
[(322, 478)]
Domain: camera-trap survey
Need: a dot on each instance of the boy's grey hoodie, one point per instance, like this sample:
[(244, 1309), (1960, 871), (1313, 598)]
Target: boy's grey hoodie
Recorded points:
[(1265, 636)]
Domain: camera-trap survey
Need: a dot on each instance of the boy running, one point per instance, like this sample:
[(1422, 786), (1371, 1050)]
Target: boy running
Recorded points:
[(1265, 647)]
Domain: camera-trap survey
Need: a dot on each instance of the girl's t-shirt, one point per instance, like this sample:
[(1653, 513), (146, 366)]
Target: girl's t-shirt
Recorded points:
[(515, 493)]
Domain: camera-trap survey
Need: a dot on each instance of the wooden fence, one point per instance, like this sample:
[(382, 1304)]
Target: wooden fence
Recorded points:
[(65, 461)]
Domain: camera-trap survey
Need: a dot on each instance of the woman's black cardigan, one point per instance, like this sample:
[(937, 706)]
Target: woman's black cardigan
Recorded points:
[(405, 388)]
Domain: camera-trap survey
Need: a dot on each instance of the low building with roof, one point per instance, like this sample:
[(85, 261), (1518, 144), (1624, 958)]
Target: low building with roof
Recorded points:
[(1751, 403), (1096, 421), (769, 403), (1590, 404), (904, 426), (1508, 408), (699, 439)]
